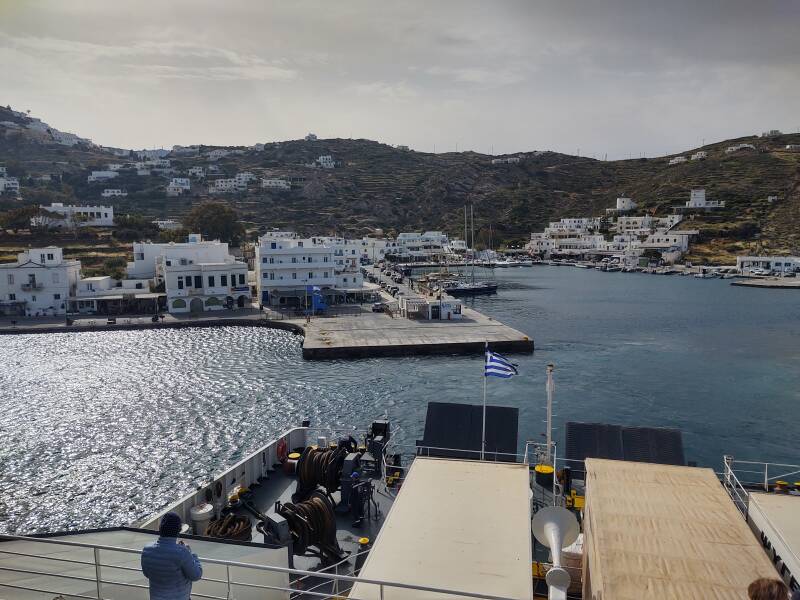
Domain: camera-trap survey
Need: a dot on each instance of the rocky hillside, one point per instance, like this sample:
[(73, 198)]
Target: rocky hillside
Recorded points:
[(378, 186)]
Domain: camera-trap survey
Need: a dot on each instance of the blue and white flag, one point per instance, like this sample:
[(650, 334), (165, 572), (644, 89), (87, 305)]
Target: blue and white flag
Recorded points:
[(499, 366)]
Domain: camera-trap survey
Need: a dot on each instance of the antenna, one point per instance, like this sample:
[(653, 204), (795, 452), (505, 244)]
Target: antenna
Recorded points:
[(550, 387), (556, 528)]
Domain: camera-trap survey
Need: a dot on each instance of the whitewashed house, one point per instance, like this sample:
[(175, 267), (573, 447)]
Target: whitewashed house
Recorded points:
[(114, 193), (9, 185), (677, 160), (196, 249), (290, 270), (737, 147), (197, 172), (273, 183), (167, 224), (101, 176), (217, 154), (223, 186), (771, 264), (700, 155), (39, 283), (243, 179), (326, 161), (697, 200), (82, 216), (195, 287), (178, 186)]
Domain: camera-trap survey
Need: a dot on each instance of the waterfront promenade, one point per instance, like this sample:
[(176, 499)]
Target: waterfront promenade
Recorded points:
[(356, 332)]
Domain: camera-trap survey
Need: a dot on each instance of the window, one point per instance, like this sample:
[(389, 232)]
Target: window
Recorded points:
[(325, 275), (271, 260), (50, 256), (33, 298), (10, 279), (169, 263), (56, 296), (180, 283), (223, 280), (271, 275), (12, 296), (263, 260), (273, 245), (324, 259), (294, 259), (188, 282), (210, 281), (241, 278), (198, 281), (294, 275), (310, 275), (299, 244), (345, 280)]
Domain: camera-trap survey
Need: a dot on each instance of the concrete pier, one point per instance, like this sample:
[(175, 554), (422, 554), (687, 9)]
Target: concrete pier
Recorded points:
[(378, 334)]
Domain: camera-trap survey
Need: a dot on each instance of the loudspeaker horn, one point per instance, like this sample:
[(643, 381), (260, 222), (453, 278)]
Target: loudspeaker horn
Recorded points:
[(556, 528)]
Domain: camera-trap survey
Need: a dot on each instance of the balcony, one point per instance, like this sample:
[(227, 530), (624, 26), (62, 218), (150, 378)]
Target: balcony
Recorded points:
[(32, 287)]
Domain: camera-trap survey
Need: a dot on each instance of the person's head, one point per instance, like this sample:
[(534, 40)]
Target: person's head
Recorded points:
[(767, 589), (170, 525)]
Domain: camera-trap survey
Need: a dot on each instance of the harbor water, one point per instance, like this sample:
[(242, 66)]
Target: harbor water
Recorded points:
[(100, 429)]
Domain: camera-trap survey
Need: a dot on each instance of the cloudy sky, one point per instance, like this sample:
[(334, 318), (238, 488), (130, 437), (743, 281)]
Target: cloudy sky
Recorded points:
[(603, 76)]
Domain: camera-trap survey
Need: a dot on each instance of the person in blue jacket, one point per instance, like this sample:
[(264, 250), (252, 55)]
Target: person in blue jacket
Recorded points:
[(170, 565)]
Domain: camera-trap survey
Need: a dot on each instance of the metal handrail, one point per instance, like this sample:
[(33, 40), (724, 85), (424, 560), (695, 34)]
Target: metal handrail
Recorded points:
[(267, 568)]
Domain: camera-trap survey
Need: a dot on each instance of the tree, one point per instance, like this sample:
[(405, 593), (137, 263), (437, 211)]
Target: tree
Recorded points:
[(215, 220), (18, 218), (115, 267)]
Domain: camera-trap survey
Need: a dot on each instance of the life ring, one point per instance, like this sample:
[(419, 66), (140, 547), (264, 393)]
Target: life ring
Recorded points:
[(283, 451)]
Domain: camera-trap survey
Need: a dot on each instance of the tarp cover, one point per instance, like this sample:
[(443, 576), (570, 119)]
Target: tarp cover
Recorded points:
[(667, 532), (640, 444), (459, 426)]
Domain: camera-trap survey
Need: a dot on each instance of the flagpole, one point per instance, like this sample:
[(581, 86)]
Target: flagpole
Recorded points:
[(483, 421), (550, 386)]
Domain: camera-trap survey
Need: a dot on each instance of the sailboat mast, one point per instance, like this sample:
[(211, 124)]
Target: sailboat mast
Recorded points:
[(472, 216)]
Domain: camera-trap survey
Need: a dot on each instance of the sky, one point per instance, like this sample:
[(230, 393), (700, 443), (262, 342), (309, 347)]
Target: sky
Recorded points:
[(600, 78)]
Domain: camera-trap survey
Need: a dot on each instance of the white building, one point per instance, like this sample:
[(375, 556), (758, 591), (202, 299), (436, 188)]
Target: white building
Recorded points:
[(224, 186), (195, 286), (197, 250), (3, 171), (101, 176), (39, 283), (114, 166), (167, 224), (197, 172), (624, 204), (771, 264), (186, 150), (326, 161), (426, 246), (243, 179), (9, 185), (737, 147), (444, 308), (289, 270), (113, 192), (178, 186), (152, 154), (83, 216), (105, 295), (508, 160), (697, 199), (677, 160), (217, 154), (793, 147), (259, 147), (700, 155), (276, 184)]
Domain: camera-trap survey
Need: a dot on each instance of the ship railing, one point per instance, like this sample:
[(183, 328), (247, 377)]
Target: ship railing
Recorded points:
[(408, 452), (95, 578), (758, 474)]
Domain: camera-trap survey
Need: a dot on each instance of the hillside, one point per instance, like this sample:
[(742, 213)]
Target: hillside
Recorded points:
[(378, 186)]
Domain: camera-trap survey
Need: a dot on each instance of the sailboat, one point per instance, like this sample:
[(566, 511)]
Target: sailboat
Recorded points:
[(469, 288)]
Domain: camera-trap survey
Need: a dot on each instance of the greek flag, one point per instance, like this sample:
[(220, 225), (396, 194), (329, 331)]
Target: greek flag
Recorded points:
[(498, 366)]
